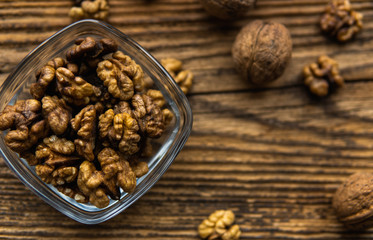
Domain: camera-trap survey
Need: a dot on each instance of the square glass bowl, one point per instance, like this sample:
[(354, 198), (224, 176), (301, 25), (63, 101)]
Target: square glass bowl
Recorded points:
[(165, 149)]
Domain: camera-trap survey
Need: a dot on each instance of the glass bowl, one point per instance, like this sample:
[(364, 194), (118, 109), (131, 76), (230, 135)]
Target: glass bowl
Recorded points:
[(165, 149)]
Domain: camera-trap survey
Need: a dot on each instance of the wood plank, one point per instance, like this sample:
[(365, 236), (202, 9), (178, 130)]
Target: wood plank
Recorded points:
[(272, 154)]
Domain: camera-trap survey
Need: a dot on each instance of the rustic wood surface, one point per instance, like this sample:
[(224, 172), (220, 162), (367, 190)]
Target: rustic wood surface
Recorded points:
[(272, 154)]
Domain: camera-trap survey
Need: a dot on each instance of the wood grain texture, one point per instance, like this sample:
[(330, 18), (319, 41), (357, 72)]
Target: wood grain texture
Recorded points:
[(271, 154)]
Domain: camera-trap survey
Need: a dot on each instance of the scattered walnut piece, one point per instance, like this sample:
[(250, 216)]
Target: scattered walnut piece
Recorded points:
[(77, 13), (219, 226), (233, 233), (172, 65), (184, 78), (322, 77), (353, 201), (340, 21), (96, 9)]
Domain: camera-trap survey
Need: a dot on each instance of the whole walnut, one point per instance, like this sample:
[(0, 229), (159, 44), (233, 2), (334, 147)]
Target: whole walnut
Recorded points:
[(353, 201), (262, 51), (227, 9)]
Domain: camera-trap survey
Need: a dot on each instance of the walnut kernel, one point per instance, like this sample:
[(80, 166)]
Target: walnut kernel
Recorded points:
[(184, 78), (322, 77), (97, 9), (218, 226), (340, 21)]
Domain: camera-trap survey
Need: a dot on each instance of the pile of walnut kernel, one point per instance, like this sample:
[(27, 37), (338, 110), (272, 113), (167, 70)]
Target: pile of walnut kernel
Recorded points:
[(89, 123)]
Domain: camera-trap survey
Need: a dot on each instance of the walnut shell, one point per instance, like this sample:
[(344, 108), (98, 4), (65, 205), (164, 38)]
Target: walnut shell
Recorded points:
[(353, 201), (262, 51), (227, 9)]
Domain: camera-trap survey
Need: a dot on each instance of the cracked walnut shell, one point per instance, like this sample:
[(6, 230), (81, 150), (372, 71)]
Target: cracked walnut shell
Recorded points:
[(262, 51)]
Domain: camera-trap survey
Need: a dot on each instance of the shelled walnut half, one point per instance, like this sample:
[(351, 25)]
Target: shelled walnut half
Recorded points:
[(340, 21), (96, 9), (219, 226), (322, 77), (184, 78)]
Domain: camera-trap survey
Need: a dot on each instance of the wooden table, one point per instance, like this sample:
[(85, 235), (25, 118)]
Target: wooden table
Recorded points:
[(271, 154)]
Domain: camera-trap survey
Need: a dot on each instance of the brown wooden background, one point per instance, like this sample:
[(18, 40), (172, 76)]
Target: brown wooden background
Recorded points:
[(272, 154)]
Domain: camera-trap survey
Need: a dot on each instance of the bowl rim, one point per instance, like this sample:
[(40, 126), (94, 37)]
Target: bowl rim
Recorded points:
[(186, 115)]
